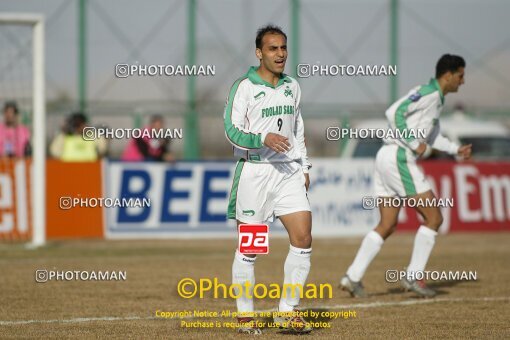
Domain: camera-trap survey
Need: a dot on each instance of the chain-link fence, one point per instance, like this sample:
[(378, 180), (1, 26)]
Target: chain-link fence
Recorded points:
[(86, 39)]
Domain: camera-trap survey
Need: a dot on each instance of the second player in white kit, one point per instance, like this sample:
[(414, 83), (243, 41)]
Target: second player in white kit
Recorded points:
[(398, 175)]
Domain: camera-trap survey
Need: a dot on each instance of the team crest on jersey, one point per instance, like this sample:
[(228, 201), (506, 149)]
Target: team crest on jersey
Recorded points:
[(415, 97), (288, 92)]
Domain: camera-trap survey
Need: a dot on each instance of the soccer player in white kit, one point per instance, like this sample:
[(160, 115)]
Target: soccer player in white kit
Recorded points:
[(263, 122), (397, 174)]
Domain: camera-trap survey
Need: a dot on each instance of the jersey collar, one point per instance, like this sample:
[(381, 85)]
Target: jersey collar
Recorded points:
[(254, 77), (435, 84)]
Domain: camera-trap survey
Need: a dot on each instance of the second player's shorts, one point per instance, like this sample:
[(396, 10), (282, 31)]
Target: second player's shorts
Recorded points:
[(261, 191), (397, 174)]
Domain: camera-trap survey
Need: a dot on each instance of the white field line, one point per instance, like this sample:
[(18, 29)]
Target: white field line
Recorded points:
[(330, 307)]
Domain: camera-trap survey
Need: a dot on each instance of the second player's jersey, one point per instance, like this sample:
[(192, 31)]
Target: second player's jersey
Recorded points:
[(255, 108), (418, 113)]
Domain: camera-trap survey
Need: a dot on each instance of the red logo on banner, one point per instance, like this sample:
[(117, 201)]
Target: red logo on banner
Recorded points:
[(253, 239)]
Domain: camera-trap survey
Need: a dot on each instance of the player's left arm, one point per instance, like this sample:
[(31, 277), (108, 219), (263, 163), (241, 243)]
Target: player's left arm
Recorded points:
[(299, 133), (441, 143)]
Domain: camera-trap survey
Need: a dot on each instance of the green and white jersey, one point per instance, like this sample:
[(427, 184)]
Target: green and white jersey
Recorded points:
[(255, 108), (419, 110)]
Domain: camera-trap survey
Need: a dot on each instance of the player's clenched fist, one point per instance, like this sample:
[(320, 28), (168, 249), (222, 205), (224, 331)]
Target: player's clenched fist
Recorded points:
[(277, 142), (465, 151)]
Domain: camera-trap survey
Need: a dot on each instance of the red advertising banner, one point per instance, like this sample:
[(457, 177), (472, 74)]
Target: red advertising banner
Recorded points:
[(480, 192)]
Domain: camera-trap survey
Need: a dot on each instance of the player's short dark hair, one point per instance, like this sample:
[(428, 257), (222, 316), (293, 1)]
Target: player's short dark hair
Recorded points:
[(11, 105), (449, 63), (269, 29)]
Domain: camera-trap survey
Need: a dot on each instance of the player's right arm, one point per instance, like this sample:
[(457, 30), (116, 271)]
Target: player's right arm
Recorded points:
[(423, 105), (234, 117), (401, 120), (240, 135), (431, 108)]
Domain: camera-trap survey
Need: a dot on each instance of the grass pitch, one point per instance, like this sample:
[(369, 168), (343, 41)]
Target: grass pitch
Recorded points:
[(127, 309)]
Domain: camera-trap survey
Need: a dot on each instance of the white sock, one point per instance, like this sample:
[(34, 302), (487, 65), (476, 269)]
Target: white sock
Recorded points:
[(370, 246), (423, 244), (296, 269), (243, 270)]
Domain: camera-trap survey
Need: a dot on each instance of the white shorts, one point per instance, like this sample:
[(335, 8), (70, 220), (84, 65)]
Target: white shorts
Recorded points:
[(397, 174), (261, 191)]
